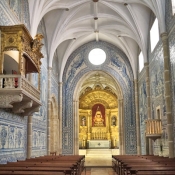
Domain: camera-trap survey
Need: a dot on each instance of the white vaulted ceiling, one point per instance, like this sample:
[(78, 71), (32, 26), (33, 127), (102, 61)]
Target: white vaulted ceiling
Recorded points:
[(71, 23)]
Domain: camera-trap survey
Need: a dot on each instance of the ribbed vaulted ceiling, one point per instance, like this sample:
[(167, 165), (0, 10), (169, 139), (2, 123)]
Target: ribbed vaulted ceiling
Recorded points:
[(71, 23)]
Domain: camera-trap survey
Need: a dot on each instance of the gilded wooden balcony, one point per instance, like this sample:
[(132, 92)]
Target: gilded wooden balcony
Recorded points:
[(153, 128), (19, 57), (18, 93)]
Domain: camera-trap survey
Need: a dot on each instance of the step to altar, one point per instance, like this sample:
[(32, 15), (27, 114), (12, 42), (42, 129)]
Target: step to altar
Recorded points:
[(97, 152)]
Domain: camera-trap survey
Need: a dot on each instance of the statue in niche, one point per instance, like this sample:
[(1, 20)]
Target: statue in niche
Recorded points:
[(83, 121), (98, 120), (114, 121)]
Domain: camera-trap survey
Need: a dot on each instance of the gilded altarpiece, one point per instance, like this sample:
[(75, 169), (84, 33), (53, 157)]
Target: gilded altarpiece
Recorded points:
[(98, 118)]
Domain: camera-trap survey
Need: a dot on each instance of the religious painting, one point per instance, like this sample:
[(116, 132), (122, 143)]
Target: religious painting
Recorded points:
[(98, 115)]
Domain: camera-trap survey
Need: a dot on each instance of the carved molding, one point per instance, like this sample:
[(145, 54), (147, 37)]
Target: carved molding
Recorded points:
[(20, 107), (23, 97), (6, 100), (30, 111), (98, 96)]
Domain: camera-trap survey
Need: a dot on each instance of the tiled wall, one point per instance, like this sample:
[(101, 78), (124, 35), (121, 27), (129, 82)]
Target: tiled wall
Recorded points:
[(156, 71), (13, 128), (172, 58), (142, 108), (39, 119)]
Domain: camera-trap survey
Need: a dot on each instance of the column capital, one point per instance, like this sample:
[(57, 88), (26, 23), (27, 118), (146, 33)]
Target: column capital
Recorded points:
[(120, 100), (164, 35), (60, 83), (146, 64), (49, 68)]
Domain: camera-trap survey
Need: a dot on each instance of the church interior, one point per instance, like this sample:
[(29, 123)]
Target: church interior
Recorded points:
[(87, 75)]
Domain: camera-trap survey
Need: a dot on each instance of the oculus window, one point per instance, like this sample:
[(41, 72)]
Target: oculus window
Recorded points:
[(97, 56), (154, 34)]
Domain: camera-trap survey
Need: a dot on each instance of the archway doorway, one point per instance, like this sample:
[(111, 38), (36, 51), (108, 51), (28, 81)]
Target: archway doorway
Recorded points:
[(98, 118)]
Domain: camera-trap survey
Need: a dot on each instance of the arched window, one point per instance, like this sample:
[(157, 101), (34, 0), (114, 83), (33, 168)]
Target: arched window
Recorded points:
[(141, 62), (173, 6), (154, 34)]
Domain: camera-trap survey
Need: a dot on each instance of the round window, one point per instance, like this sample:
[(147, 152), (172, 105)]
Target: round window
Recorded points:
[(97, 56)]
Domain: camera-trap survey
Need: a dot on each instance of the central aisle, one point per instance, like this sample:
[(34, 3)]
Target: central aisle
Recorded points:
[(99, 171), (98, 157), (98, 161)]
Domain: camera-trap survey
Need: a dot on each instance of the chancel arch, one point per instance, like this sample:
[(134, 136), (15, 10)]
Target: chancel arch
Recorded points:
[(77, 70)]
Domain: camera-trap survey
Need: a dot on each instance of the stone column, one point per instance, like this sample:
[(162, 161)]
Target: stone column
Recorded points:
[(88, 125), (149, 143), (60, 114), (120, 125), (137, 117), (76, 127), (30, 78), (39, 80), (49, 110), (167, 86), (20, 66), (29, 137), (55, 132), (121, 128), (29, 129), (107, 121)]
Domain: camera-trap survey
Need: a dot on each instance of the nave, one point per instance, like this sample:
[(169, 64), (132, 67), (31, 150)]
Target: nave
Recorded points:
[(88, 165)]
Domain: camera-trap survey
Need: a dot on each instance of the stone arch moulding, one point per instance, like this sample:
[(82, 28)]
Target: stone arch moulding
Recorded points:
[(78, 68)]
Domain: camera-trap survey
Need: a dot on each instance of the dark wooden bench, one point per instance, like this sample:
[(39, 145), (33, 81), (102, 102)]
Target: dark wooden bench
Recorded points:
[(46, 165), (142, 164), (31, 173)]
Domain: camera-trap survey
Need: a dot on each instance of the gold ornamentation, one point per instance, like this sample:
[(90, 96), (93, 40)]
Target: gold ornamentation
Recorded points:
[(91, 97), (18, 38), (36, 44), (109, 100)]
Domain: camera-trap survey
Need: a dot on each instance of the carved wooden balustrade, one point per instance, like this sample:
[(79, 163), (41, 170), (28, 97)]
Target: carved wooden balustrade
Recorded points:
[(153, 128), (18, 93)]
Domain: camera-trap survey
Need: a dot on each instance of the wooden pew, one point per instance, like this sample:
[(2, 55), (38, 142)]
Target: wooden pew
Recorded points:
[(31, 173), (46, 165), (140, 164)]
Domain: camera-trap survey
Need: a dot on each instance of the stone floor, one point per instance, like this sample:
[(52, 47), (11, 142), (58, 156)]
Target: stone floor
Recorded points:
[(98, 162), (98, 171)]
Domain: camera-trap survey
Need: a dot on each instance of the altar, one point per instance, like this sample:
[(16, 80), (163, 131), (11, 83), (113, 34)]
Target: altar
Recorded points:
[(98, 144), (98, 128)]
